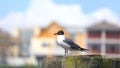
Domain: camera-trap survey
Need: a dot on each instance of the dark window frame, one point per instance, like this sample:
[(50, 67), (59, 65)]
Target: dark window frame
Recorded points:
[(112, 48), (94, 33), (95, 47), (112, 34)]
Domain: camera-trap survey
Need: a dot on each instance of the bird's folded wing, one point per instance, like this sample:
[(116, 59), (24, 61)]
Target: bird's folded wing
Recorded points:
[(71, 43)]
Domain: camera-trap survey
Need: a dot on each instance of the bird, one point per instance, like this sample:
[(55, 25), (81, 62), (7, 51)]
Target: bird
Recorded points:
[(67, 43)]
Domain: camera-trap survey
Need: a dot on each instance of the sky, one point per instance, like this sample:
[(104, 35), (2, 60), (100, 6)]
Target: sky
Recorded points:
[(82, 13)]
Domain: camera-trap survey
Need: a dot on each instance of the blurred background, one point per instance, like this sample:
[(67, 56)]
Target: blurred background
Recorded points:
[(27, 28)]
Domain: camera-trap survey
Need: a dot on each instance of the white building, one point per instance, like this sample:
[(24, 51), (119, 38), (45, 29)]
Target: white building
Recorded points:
[(104, 39)]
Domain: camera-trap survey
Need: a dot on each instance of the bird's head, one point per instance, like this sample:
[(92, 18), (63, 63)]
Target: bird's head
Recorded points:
[(60, 32)]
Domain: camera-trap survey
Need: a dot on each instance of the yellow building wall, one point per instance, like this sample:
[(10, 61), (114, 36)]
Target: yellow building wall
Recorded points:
[(80, 40), (38, 48)]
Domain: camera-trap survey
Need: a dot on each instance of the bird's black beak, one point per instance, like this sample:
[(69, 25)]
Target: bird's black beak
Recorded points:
[(55, 34)]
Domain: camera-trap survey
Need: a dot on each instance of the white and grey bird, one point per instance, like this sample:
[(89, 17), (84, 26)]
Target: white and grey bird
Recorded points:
[(67, 43)]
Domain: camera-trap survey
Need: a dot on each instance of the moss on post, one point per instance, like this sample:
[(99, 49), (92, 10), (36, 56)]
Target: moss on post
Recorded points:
[(90, 61), (83, 61)]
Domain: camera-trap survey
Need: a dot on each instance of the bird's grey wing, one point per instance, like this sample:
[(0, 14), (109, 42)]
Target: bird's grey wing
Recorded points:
[(63, 45), (72, 44)]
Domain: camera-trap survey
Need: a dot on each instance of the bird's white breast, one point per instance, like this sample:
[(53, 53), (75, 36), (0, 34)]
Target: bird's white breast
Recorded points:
[(60, 39)]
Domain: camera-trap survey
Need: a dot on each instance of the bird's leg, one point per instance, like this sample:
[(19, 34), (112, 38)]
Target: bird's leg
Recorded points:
[(66, 52)]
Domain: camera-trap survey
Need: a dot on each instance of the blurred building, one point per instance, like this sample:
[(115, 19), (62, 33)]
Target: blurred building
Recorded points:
[(14, 49), (23, 35), (7, 47), (44, 43), (104, 38)]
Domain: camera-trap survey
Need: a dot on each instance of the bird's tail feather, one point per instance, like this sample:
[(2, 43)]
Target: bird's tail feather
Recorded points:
[(83, 49)]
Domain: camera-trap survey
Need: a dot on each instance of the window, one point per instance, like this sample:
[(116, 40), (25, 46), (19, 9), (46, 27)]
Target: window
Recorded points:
[(94, 47), (94, 34), (112, 48), (112, 34), (45, 45)]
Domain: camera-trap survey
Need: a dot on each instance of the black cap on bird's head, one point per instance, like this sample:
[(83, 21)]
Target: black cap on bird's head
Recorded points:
[(60, 32)]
